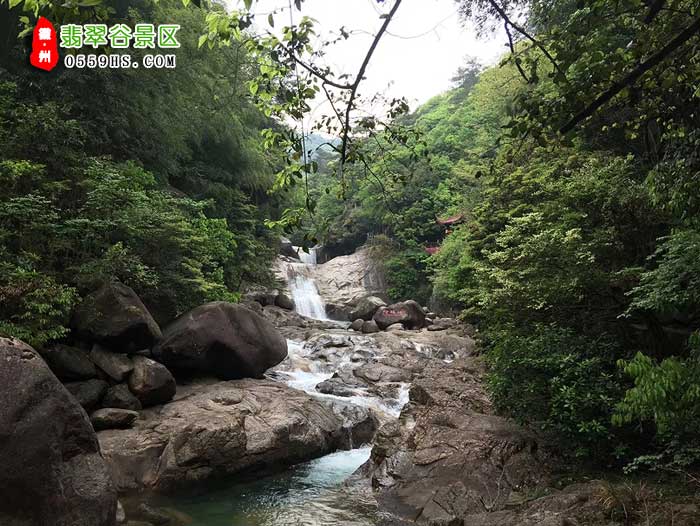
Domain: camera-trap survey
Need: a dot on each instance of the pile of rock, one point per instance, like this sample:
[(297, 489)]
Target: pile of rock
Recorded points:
[(371, 315), (269, 298), (121, 361), (109, 370), (116, 368)]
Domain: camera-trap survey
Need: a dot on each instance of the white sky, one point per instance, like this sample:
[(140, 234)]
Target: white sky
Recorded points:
[(425, 44)]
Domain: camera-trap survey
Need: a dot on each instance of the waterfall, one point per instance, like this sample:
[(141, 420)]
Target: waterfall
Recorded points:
[(307, 300), (311, 258)]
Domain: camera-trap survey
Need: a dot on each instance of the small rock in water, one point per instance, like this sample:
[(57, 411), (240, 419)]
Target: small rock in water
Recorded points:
[(154, 515), (394, 327), (113, 418), (334, 386)]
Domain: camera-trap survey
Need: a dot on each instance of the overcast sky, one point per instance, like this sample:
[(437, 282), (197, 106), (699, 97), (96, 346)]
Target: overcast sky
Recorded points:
[(425, 45)]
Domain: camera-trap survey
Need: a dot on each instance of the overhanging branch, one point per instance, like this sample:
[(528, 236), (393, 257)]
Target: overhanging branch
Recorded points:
[(633, 76)]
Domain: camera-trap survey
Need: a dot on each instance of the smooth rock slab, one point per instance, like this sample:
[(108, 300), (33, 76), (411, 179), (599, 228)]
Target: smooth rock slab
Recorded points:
[(221, 428)]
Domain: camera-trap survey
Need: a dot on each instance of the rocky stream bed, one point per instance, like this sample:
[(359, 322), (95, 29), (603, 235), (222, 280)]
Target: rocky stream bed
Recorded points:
[(385, 421)]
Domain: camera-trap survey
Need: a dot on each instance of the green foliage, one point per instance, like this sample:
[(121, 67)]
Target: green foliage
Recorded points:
[(673, 284), (558, 381), (666, 395), (406, 274), (156, 178), (33, 306)]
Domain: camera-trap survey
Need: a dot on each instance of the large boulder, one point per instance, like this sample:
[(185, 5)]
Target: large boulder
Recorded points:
[(370, 327), (357, 324), (52, 471), (449, 458), (226, 340), (366, 308), (69, 363), (284, 302), (151, 382), (216, 429), (407, 313), (115, 317)]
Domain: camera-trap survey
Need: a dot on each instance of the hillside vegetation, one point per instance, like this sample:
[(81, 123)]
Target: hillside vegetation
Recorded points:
[(578, 254)]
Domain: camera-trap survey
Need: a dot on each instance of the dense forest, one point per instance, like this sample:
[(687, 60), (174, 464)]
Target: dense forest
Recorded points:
[(551, 200), (154, 177)]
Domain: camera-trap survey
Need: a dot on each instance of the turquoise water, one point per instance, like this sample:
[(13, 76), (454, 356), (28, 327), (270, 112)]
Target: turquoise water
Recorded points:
[(310, 494)]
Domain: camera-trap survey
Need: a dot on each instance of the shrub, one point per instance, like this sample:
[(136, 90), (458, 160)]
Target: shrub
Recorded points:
[(557, 381)]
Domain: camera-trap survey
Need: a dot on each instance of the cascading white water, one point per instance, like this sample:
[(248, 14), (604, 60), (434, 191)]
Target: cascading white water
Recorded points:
[(307, 300), (305, 374)]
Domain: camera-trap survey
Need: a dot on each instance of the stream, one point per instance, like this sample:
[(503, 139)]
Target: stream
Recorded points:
[(308, 494)]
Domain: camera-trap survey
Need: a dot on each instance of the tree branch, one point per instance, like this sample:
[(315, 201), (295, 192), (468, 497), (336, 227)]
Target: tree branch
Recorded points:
[(360, 76), (512, 52), (633, 76), (527, 35)]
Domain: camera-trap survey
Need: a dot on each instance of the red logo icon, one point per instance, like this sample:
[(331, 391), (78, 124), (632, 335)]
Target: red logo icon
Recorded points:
[(44, 47)]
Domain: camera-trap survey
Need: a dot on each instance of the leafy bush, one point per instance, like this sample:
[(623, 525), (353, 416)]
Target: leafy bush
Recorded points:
[(560, 382), (406, 274), (667, 395), (33, 306)]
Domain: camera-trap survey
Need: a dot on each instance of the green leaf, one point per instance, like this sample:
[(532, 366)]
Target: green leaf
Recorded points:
[(248, 4), (89, 3), (202, 40), (14, 3), (271, 20)]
